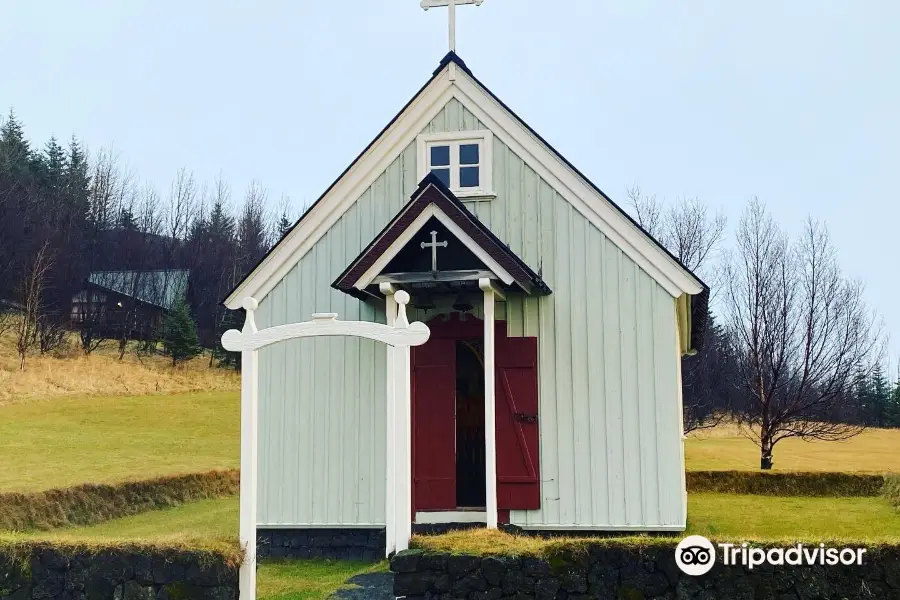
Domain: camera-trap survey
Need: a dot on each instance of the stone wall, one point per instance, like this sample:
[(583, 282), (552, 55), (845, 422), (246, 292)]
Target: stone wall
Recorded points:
[(634, 573), (352, 544), (44, 572)]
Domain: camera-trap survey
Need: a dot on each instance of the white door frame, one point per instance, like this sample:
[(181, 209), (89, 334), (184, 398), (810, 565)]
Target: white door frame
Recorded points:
[(399, 336)]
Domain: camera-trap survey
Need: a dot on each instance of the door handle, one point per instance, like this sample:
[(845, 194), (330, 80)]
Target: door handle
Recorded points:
[(524, 418)]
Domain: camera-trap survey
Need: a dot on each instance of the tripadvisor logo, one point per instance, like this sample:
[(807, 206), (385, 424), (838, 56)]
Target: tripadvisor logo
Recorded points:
[(695, 555)]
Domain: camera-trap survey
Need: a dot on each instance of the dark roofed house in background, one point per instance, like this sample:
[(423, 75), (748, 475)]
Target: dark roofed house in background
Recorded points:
[(129, 302)]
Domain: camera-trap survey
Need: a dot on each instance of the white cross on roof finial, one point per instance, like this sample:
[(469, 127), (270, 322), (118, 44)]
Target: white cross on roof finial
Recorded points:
[(451, 4)]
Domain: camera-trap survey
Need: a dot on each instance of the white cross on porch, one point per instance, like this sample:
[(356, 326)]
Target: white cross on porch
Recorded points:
[(451, 4), (434, 245)]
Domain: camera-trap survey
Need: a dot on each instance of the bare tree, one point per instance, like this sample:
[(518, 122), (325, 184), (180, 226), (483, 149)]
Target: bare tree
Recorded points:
[(802, 332), (252, 232), (647, 210), (91, 331), (686, 228), (33, 288), (51, 332), (6, 320), (692, 234), (182, 205), (135, 249), (106, 186)]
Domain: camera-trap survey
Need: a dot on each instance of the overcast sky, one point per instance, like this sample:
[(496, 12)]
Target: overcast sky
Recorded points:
[(796, 102)]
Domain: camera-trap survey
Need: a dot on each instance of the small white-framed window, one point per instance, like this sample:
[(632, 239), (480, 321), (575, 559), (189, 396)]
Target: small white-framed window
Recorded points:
[(462, 160)]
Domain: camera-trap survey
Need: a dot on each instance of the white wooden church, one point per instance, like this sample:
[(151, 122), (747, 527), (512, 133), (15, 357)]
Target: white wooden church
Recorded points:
[(548, 394)]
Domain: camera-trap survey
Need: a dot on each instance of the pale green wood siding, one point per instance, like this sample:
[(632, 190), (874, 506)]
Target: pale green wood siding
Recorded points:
[(609, 422)]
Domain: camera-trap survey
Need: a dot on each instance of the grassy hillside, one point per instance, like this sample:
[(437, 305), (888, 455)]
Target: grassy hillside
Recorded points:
[(67, 372), (724, 449), (68, 441)]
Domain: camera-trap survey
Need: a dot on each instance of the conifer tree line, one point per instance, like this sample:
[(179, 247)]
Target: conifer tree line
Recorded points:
[(66, 212)]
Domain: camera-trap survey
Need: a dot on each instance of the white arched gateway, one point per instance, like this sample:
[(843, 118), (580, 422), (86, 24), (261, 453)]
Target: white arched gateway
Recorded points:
[(399, 337)]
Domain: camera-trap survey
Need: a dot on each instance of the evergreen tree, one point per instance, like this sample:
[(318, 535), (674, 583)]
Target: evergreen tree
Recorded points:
[(233, 319), (864, 398), (78, 182), (15, 152), (220, 227), (19, 212), (55, 162), (126, 219), (179, 333), (283, 226), (880, 398), (893, 410)]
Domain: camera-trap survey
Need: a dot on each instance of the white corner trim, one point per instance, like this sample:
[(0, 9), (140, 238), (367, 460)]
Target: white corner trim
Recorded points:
[(483, 137), (440, 517), (416, 226)]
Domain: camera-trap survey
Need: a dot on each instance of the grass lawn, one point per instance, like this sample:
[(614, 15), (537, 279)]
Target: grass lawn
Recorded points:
[(308, 579), (774, 517), (719, 515), (724, 449), (69, 441)]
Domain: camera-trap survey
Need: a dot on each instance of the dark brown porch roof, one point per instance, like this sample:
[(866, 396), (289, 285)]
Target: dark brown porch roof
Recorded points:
[(433, 191)]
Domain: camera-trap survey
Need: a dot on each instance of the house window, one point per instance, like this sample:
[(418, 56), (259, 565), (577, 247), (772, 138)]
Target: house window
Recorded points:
[(462, 160)]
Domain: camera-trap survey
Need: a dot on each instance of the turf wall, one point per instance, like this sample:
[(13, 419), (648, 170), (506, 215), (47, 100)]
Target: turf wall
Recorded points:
[(41, 571), (88, 504), (626, 572)]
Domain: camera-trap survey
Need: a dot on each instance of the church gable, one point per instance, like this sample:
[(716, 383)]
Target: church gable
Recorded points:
[(455, 101)]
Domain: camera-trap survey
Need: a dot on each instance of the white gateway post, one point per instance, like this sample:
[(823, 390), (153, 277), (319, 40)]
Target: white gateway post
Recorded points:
[(400, 335)]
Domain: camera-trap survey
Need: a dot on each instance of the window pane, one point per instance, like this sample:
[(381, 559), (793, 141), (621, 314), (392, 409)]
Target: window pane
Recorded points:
[(468, 154), (468, 177), (440, 156), (443, 175)]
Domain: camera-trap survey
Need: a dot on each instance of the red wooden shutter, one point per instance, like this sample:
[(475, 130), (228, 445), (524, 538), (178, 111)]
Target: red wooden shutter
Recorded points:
[(434, 425), (518, 466)]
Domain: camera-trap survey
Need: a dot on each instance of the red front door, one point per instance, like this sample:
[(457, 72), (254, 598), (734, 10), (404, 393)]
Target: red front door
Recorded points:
[(434, 417), (434, 430)]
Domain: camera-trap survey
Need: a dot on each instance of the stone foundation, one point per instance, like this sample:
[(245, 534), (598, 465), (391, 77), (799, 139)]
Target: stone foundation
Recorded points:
[(352, 544)]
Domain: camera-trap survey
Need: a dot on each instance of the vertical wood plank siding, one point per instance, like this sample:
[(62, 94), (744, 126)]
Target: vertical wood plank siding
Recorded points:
[(609, 423)]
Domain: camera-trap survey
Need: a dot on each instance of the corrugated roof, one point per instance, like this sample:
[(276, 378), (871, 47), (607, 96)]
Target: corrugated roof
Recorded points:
[(159, 288)]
